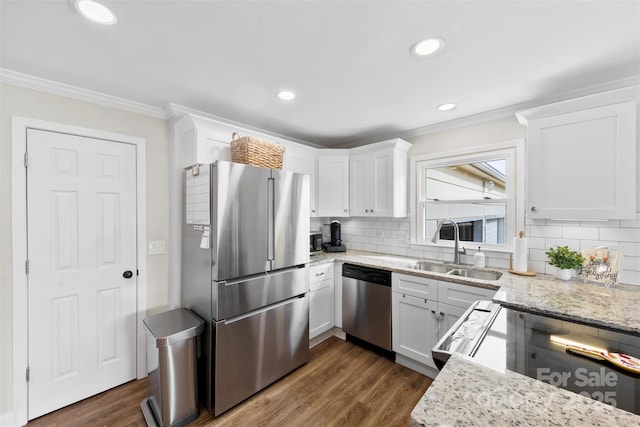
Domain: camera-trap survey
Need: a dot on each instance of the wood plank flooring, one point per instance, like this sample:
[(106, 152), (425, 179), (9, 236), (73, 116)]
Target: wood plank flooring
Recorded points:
[(342, 385)]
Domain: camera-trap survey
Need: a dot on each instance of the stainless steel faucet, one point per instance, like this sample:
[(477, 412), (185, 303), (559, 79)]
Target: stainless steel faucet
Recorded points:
[(456, 238)]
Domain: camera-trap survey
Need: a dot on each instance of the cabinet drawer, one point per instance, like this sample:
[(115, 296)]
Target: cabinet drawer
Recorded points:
[(462, 295), (420, 287), (319, 273)]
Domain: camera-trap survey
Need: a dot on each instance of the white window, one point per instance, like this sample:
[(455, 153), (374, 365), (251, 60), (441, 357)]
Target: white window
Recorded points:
[(476, 189)]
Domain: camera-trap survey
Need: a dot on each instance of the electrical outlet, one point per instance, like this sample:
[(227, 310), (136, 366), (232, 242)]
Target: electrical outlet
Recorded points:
[(156, 247)]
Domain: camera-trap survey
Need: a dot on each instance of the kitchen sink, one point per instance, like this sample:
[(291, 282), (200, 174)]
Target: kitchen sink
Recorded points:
[(475, 274), (432, 266), (451, 270)]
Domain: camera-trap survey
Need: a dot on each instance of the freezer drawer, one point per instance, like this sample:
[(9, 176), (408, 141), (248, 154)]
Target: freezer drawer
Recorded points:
[(254, 350), (233, 298)]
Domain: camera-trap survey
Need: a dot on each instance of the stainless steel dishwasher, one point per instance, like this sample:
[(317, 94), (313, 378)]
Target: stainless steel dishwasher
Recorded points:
[(366, 304)]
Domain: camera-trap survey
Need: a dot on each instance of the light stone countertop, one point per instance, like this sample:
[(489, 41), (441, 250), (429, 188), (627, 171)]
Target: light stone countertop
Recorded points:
[(614, 308), (466, 393)]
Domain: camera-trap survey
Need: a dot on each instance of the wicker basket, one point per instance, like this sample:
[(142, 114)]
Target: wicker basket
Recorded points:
[(252, 151)]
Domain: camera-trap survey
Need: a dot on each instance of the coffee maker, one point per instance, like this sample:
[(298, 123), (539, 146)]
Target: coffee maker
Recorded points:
[(335, 242)]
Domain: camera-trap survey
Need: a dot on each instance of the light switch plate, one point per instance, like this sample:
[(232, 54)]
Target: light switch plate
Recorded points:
[(157, 247)]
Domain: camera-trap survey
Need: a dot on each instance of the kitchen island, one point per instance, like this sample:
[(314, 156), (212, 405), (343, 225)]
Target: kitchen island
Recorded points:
[(467, 393)]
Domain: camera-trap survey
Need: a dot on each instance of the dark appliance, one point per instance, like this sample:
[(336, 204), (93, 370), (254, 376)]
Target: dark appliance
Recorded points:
[(366, 304), (315, 243), (536, 346), (335, 245)]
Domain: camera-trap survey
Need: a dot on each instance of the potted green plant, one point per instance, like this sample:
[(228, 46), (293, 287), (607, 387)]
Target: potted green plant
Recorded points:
[(565, 259)]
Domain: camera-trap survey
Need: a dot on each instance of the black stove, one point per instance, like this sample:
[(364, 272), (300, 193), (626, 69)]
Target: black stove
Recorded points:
[(536, 346)]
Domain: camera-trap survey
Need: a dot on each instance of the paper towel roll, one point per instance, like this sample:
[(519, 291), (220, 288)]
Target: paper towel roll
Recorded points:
[(520, 254)]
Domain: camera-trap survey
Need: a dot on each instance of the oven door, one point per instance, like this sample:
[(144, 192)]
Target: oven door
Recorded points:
[(536, 346)]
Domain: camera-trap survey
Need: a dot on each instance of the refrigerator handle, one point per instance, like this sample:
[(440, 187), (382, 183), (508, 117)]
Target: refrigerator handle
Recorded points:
[(270, 218)]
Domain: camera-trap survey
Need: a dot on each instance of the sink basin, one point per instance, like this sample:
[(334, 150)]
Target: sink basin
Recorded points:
[(432, 266), (475, 274), (451, 270)]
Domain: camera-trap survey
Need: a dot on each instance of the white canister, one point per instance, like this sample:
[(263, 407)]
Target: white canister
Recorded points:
[(479, 259)]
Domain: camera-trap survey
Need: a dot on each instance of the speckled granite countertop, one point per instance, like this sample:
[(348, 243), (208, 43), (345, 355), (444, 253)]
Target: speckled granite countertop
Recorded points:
[(465, 393), (613, 308)]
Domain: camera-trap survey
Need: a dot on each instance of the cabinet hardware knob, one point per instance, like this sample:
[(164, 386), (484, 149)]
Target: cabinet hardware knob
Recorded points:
[(442, 314), (433, 311), (313, 210), (371, 210), (319, 274), (345, 210), (366, 211), (533, 209)]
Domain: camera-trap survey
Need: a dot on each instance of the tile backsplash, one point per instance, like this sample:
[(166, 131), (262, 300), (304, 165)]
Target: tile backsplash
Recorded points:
[(392, 236)]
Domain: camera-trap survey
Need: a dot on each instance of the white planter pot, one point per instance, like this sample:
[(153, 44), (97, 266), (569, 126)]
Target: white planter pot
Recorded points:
[(564, 274)]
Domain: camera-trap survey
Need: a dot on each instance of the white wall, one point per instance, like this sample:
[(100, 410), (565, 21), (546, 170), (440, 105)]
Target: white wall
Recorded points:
[(39, 105)]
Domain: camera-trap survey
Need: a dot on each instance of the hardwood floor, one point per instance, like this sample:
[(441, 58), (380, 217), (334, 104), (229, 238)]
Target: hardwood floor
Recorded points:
[(342, 385)]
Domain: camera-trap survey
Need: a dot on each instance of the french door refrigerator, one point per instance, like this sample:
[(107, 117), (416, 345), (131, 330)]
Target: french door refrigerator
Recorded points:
[(245, 271)]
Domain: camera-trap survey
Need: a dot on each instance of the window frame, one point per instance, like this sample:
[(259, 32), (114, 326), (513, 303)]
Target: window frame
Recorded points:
[(511, 151)]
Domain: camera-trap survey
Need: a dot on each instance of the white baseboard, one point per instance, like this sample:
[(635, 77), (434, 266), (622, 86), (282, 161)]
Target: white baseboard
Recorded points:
[(338, 332)]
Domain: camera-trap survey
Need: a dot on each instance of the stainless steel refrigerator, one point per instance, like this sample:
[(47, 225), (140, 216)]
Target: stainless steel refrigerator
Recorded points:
[(245, 258)]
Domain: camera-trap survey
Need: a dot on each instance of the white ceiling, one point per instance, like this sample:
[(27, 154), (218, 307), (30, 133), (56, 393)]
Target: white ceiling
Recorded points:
[(348, 61)]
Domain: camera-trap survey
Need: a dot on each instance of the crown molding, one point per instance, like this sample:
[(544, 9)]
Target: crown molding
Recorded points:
[(62, 89), (175, 112), (511, 110)]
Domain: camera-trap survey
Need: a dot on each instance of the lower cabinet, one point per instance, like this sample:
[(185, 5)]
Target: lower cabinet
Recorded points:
[(423, 310), (321, 299), (407, 339)]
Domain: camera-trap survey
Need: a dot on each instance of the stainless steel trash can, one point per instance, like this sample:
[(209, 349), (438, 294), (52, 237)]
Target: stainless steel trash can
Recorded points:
[(173, 386)]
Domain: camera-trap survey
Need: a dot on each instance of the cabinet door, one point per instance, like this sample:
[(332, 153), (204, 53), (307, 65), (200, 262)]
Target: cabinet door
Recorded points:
[(581, 165), (414, 327), (381, 191), (360, 183), (447, 316), (321, 309), (303, 161), (333, 185)]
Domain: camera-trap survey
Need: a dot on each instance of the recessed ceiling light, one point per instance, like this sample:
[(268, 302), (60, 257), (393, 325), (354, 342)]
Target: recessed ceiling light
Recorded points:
[(286, 95), (447, 107), (94, 11), (427, 47)]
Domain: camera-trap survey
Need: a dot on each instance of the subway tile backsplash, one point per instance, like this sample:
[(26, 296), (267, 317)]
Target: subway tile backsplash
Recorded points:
[(392, 236)]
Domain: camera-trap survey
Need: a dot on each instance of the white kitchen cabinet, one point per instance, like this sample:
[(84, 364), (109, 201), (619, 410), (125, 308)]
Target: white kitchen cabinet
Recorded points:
[(422, 311), (581, 158), (200, 140), (333, 183), (321, 299), (378, 179), (338, 294), (304, 160), (414, 327)]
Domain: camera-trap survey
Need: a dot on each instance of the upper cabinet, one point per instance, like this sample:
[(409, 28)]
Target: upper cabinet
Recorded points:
[(581, 157), (333, 183), (302, 159), (378, 179)]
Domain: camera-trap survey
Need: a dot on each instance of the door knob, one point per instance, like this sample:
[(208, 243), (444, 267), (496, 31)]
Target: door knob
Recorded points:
[(127, 274)]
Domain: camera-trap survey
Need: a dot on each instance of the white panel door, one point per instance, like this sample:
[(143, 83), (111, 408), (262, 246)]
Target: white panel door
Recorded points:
[(81, 213)]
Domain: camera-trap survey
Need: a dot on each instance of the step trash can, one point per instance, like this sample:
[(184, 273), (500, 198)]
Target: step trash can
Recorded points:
[(171, 361)]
